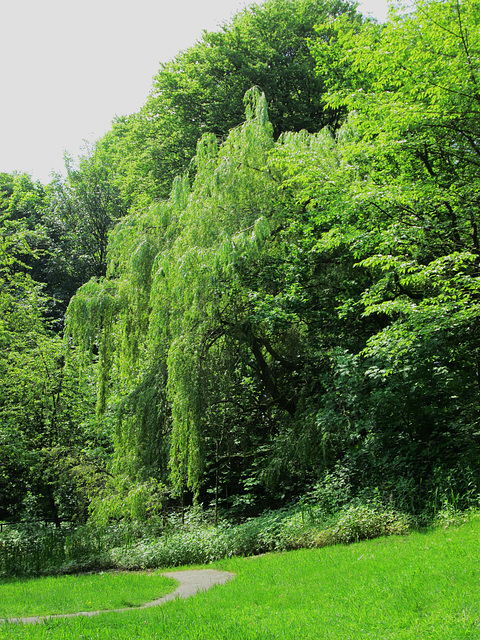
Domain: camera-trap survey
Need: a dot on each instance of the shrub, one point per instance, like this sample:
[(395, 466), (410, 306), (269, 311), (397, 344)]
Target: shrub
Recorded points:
[(362, 522), (144, 546)]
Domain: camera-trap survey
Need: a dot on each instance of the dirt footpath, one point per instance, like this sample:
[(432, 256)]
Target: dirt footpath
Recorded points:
[(191, 582)]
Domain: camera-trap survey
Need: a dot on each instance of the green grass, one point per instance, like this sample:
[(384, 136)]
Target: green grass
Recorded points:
[(88, 592), (421, 586)]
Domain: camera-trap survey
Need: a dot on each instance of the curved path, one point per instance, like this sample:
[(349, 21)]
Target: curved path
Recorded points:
[(191, 582)]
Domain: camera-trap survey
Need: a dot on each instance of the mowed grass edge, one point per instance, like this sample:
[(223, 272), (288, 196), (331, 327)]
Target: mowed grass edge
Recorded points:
[(85, 592), (425, 585)]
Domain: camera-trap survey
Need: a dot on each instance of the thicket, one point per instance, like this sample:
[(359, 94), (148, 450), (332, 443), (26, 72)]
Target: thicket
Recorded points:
[(314, 522), (33, 550)]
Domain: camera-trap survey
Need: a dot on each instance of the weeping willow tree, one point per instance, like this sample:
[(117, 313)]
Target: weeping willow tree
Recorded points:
[(212, 325), (162, 320)]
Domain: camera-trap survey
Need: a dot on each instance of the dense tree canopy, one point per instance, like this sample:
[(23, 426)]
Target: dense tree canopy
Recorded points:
[(302, 310), (47, 443), (202, 89)]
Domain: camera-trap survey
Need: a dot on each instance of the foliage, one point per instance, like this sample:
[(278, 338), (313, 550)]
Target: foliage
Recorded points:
[(88, 204), (299, 317), (162, 260), (397, 198), (330, 277), (417, 137), (201, 91), (48, 445), (126, 501), (362, 523), (33, 548), (168, 543), (62, 227)]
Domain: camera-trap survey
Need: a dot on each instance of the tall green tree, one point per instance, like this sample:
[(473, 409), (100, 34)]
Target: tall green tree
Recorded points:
[(413, 226), (211, 327), (92, 205), (417, 124), (201, 91), (48, 442)]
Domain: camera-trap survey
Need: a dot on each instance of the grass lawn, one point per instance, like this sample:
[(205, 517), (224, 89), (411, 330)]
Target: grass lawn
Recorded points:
[(426, 585), (87, 592)]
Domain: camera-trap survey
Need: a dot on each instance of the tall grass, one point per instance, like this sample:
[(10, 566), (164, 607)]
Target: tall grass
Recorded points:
[(28, 549), (426, 585)]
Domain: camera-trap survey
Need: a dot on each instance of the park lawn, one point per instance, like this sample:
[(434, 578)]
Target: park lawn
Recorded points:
[(426, 585), (85, 592)]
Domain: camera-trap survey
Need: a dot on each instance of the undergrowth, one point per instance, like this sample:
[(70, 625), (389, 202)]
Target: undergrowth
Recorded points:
[(322, 518), (43, 551)]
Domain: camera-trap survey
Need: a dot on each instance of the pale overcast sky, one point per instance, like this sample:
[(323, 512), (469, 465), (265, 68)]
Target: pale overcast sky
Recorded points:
[(68, 67)]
